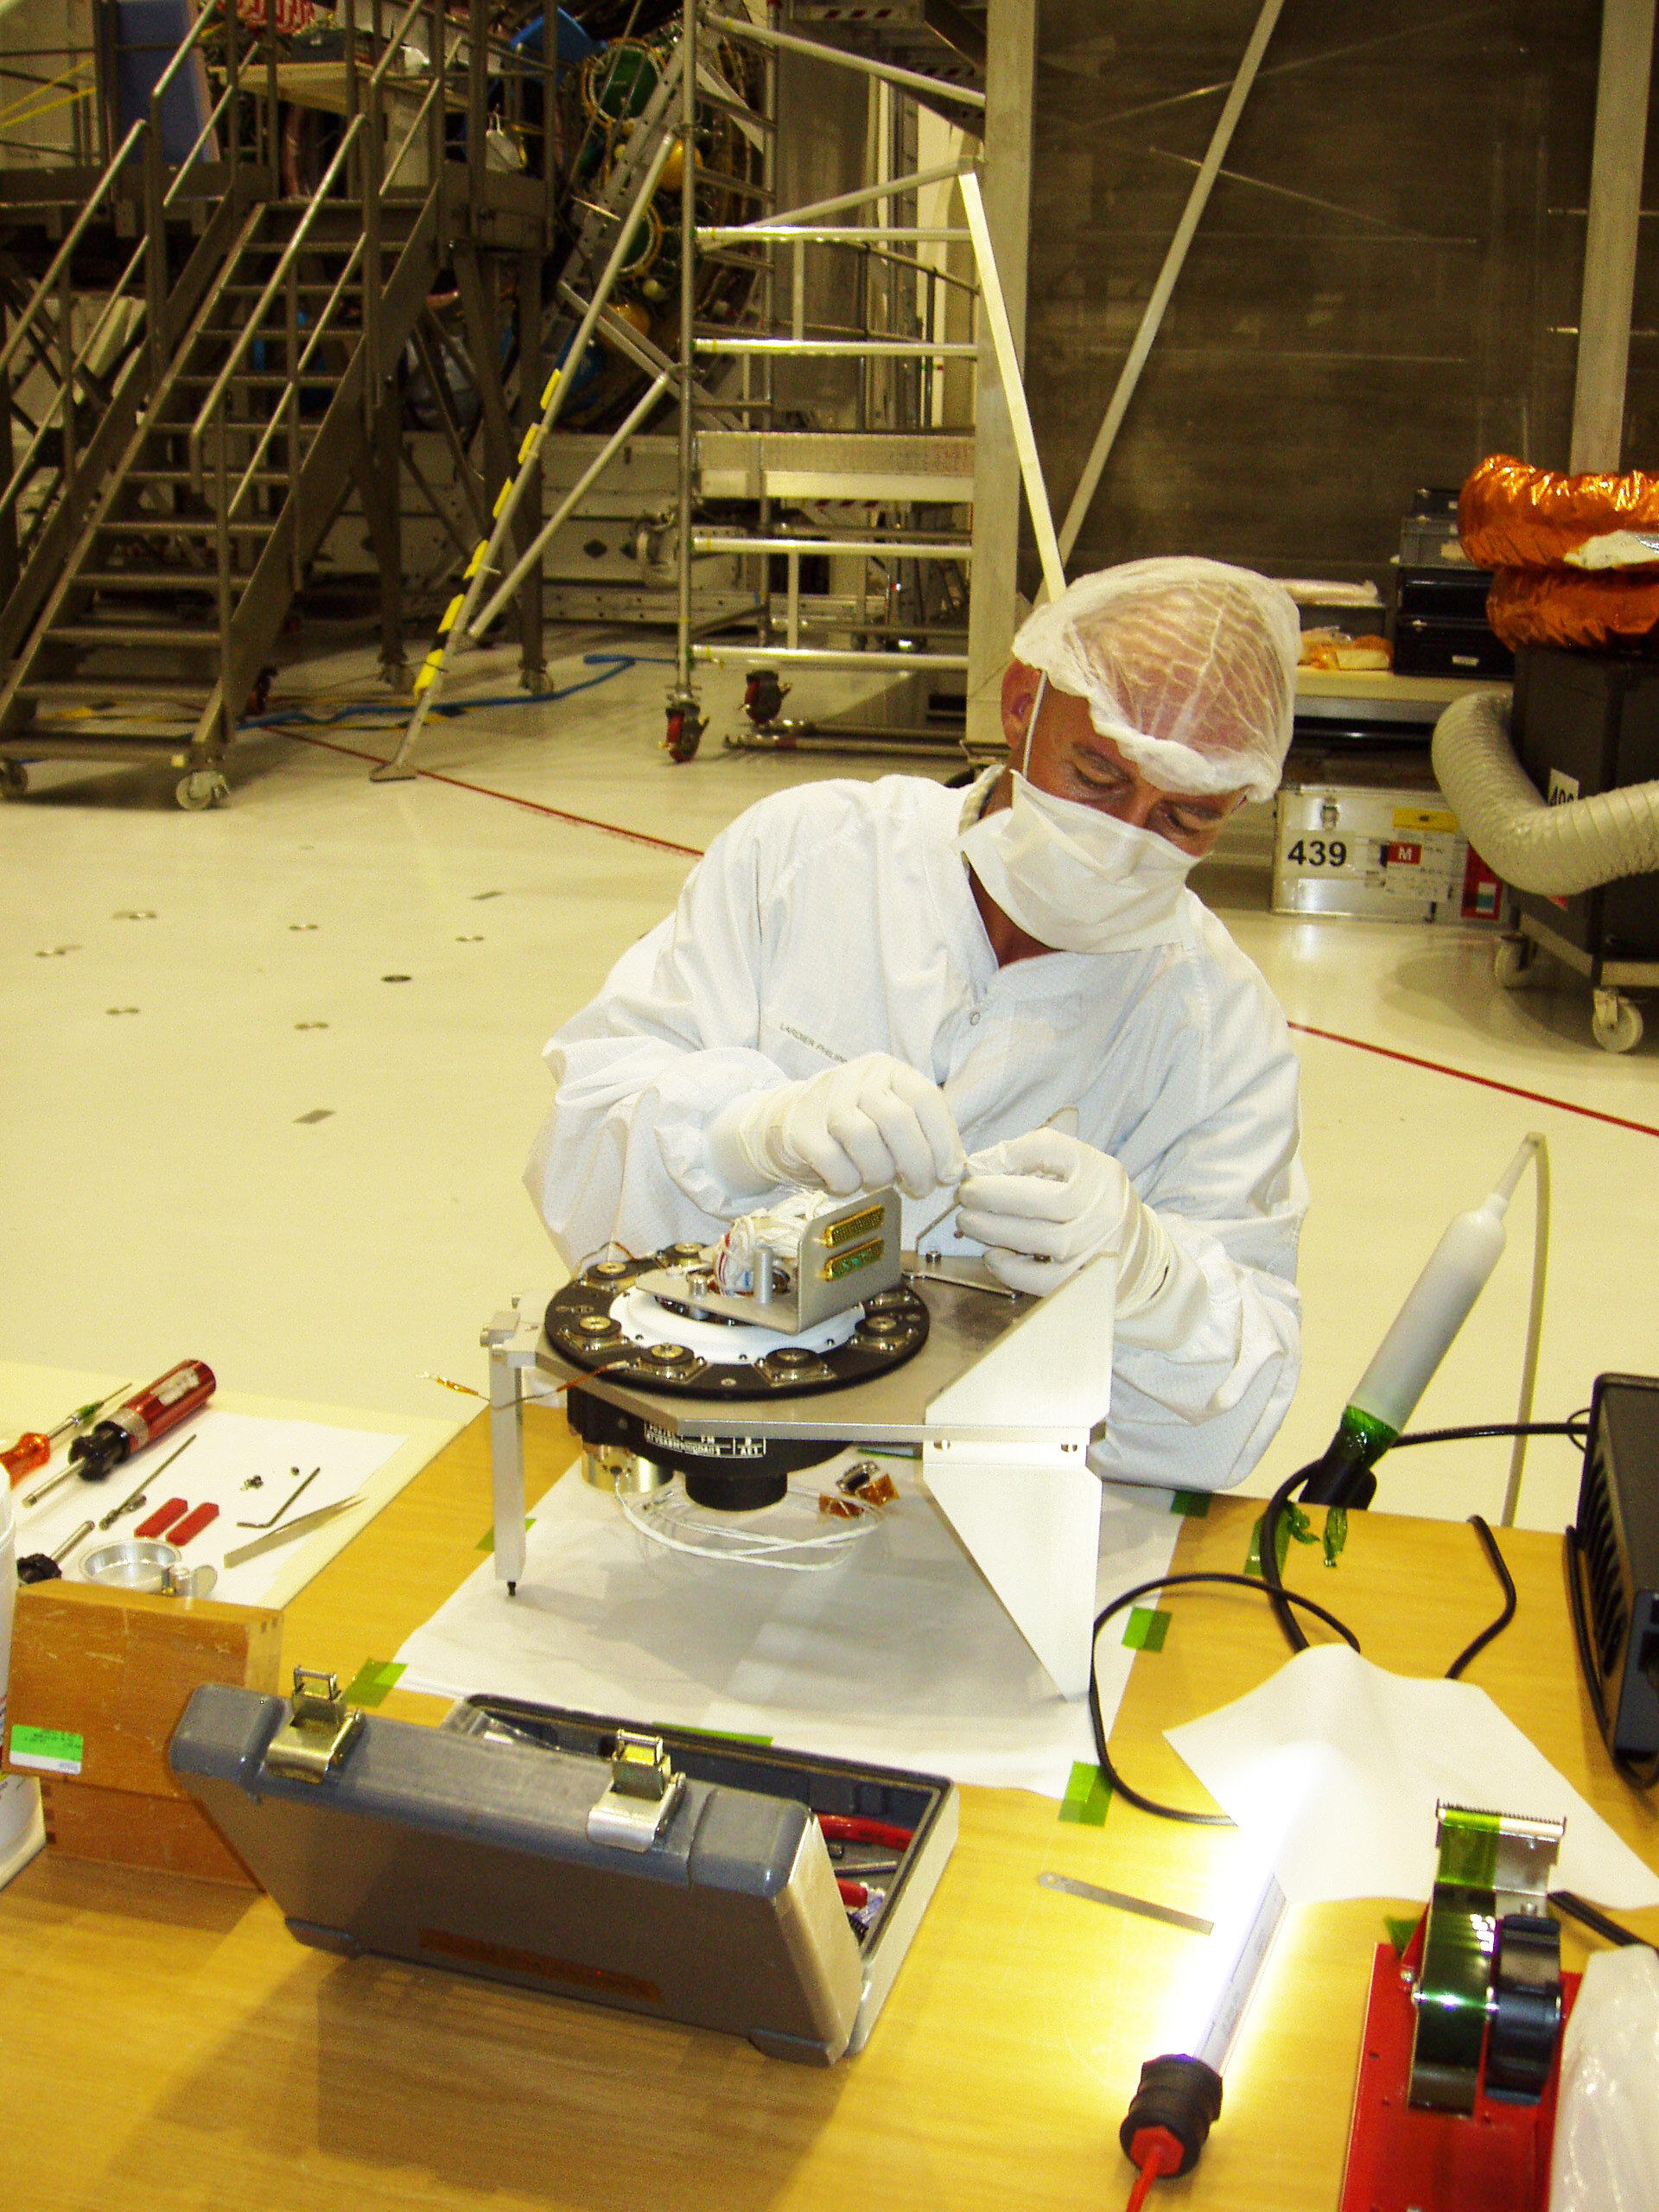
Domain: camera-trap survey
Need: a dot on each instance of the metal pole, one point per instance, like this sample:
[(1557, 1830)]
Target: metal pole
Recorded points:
[(1198, 198), (895, 188), (1610, 237), (959, 95), (994, 309), (567, 506), (457, 620), (683, 696), (1011, 47)]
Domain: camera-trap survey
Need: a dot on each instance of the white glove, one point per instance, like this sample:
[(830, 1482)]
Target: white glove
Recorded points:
[(856, 1127), (1044, 1205)]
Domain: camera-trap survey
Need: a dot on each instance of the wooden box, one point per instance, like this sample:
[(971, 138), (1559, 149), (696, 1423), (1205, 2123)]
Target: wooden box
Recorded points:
[(99, 1681)]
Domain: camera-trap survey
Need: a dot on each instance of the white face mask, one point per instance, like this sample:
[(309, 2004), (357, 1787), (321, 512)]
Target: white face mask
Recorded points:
[(1075, 878)]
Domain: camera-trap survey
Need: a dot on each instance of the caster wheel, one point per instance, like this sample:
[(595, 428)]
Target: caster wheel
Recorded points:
[(683, 735), (763, 697), (14, 778), (1616, 1025), (200, 789), (1513, 961)]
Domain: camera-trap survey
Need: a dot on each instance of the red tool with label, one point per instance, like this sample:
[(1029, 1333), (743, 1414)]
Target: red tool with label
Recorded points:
[(143, 1419)]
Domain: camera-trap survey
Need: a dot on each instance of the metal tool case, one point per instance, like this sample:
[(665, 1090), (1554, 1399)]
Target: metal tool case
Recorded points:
[(666, 1875)]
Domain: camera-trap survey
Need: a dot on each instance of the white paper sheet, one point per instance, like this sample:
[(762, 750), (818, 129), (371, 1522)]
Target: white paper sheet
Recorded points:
[(1336, 1766), (226, 1449), (899, 1655)]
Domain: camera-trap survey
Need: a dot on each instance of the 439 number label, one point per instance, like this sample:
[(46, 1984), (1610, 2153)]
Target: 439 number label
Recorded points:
[(1317, 851)]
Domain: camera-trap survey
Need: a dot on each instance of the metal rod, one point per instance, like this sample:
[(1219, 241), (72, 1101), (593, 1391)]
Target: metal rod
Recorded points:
[(909, 551), (961, 95), (1611, 240), (853, 348), (1198, 198), (459, 620), (827, 233), (1014, 390), (688, 342), (826, 657), (894, 189), (532, 553)]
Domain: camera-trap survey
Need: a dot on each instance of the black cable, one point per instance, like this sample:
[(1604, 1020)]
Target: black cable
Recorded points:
[(1572, 1906), (1102, 1755), (1267, 1543), (1572, 1426), (1506, 1583)]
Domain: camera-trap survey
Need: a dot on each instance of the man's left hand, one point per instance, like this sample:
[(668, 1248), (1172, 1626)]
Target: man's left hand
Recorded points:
[(1044, 1205)]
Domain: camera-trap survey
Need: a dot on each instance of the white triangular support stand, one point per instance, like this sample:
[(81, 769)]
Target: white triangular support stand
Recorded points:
[(1027, 1507)]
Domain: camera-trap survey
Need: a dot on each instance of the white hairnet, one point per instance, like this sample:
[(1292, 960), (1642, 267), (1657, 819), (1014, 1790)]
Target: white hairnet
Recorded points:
[(1189, 668)]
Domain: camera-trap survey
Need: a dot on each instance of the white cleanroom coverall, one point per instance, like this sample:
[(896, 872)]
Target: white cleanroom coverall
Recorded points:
[(838, 919)]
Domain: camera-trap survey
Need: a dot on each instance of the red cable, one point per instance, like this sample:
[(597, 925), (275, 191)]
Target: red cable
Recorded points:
[(847, 1827), (853, 1895), (1157, 2153)]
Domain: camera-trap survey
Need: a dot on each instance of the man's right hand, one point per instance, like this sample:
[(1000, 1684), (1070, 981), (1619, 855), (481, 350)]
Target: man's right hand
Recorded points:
[(872, 1121)]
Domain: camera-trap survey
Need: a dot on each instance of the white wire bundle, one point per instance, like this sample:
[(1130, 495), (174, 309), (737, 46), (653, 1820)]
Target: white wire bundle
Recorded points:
[(676, 1522)]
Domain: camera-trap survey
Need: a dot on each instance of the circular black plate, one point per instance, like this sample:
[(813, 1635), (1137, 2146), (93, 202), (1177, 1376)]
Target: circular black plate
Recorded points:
[(581, 1329)]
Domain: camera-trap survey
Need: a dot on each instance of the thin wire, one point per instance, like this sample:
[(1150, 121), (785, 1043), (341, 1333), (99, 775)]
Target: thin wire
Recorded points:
[(1572, 1906), (1506, 1583), (1540, 1145), (1103, 1753), (1268, 1546)]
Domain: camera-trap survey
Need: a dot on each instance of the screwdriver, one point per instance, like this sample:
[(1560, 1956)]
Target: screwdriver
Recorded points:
[(46, 1566), (33, 1450), (140, 1419)]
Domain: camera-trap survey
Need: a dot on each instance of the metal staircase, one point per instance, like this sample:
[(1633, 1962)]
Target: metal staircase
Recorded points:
[(172, 590)]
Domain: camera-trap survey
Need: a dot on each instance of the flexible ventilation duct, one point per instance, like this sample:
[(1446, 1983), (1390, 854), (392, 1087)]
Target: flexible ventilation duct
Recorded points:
[(1529, 843)]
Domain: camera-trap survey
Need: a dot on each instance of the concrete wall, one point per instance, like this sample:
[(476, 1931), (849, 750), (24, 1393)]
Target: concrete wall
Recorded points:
[(1383, 291)]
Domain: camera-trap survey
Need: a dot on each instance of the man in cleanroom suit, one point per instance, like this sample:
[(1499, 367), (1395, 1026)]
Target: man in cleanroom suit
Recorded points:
[(1007, 995)]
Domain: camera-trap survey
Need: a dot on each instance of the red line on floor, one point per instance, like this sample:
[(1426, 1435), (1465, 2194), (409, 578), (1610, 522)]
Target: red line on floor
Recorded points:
[(483, 790), (1485, 1082)]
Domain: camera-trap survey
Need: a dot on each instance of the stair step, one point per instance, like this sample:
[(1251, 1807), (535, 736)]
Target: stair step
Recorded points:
[(181, 476), (255, 379), (148, 580), (90, 689), (183, 526), (132, 633)]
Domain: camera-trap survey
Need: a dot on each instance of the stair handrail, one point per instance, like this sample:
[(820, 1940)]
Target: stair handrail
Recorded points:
[(62, 399), (319, 331), (250, 328), (185, 165), (156, 199), (72, 239)]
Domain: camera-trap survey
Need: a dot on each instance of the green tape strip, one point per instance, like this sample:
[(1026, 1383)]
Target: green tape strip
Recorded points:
[(487, 1541), (1192, 1504), (372, 1682), (1292, 1521), (1400, 1933), (47, 1751), (1336, 1533), (1146, 1630), (725, 1736), (1469, 1849), (1087, 1796)]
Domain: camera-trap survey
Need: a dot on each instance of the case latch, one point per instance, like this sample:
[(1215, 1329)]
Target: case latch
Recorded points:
[(643, 1791), (319, 1732)]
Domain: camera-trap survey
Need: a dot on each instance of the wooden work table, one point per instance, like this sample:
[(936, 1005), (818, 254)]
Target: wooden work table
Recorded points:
[(164, 2042)]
